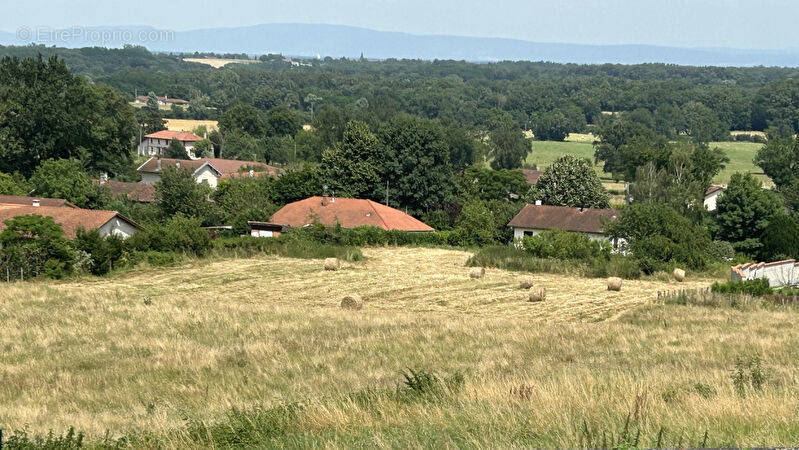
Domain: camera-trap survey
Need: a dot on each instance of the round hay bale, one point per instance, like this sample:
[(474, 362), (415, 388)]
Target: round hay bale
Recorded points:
[(477, 272), (679, 275), (614, 284), (352, 301), (526, 283), (538, 294), (332, 264)]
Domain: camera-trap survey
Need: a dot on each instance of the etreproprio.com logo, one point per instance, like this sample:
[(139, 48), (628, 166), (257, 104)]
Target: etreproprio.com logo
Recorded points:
[(95, 36)]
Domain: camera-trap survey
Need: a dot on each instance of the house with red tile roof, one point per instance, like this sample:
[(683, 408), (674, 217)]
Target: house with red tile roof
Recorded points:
[(210, 170), (157, 143), (136, 192), (533, 219), (531, 175), (34, 201), (778, 273), (347, 212), (71, 219)]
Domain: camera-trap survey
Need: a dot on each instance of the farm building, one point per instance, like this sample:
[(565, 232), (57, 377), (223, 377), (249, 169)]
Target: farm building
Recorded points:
[(157, 143), (779, 273), (34, 201), (531, 175), (136, 192), (264, 229), (71, 219), (711, 196), (533, 219), (210, 170), (347, 212), (165, 100)]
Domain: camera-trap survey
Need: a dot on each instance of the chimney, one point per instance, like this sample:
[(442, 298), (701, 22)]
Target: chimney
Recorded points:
[(103, 178), (158, 163), (538, 203), (36, 202), (177, 164), (252, 173), (325, 199)]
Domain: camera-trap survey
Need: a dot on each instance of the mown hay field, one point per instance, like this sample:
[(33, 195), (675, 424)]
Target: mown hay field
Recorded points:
[(217, 63), (144, 352)]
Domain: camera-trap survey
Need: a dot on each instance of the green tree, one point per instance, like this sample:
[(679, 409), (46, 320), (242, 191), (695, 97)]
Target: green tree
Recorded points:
[(780, 239), (33, 245), (266, 98), (744, 211), (66, 179), (658, 237), (242, 117), (48, 113), (353, 167), (12, 184), (151, 119), (571, 181), (476, 224), (488, 184), (176, 150), (177, 192), (297, 183), (203, 149), (414, 159), (242, 146), (508, 147), (283, 121), (550, 126)]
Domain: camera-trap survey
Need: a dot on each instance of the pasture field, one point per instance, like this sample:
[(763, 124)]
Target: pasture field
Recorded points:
[(741, 155), (162, 356)]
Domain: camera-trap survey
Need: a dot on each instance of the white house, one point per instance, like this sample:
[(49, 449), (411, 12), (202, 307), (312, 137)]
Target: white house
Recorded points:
[(157, 143), (533, 219), (165, 100), (779, 273), (71, 219), (711, 196), (209, 170)]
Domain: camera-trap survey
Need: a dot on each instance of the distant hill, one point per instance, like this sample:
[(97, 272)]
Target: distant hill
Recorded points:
[(311, 40)]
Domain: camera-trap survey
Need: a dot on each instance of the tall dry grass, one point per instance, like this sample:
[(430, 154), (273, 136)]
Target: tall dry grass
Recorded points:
[(163, 356)]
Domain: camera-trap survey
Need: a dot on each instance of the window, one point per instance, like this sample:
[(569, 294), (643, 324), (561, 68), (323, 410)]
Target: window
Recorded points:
[(528, 233)]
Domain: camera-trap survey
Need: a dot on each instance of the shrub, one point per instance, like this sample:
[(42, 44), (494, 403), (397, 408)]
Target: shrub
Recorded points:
[(756, 287), (564, 245), (104, 252), (178, 234), (32, 245)]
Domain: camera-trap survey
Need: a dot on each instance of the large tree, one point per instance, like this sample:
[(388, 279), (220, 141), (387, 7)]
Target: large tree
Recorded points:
[(571, 181), (179, 193), (48, 113), (744, 211), (508, 147), (352, 167), (414, 158), (66, 179)]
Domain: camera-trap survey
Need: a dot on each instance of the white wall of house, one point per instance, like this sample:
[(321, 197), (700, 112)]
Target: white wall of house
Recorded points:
[(208, 175), (710, 201), (785, 273), (519, 233), (153, 146), (117, 227)]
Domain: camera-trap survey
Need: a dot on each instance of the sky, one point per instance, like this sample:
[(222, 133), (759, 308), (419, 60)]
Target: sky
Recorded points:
[(746, 24)]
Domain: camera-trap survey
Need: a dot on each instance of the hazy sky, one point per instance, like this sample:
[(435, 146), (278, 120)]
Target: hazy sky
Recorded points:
[(684, 23)]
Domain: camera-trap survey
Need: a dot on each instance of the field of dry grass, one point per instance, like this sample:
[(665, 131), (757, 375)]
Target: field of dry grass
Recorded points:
[(189, 125), (216, 63), (144, 351)]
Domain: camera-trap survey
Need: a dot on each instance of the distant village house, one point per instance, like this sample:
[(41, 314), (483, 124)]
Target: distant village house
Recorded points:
[(70, 217), (533, 219), (347, 212), (162, 100), (157, 143), (210, 170), (711, 197)]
